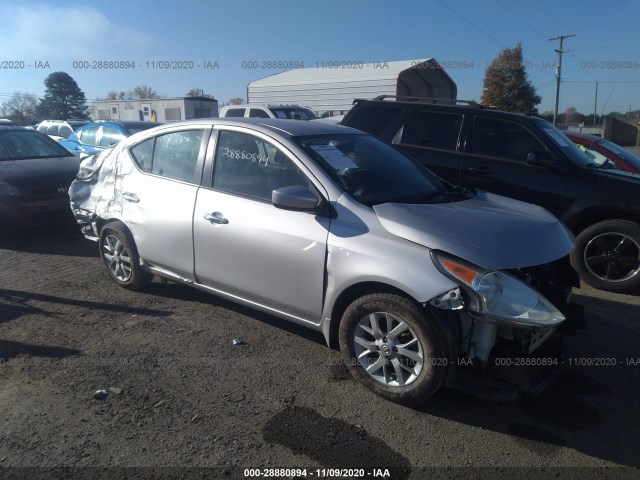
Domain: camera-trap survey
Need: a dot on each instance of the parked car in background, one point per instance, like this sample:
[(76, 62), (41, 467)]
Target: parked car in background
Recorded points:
[(605, 152), (94, 137), (7, 122), (35, 174), (526, 158), (293, 112), (60, 129), (330, 228)]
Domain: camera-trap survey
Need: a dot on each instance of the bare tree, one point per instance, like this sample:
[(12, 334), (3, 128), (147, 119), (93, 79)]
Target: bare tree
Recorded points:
[(236, 101), (144, 92), (21, 108), (198, 92)]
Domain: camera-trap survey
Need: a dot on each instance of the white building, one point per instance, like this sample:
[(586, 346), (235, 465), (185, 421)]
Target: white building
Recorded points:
[(156, 109), (332, 89)]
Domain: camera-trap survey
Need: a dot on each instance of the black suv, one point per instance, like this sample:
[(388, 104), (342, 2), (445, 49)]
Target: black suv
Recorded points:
[(526, 158)]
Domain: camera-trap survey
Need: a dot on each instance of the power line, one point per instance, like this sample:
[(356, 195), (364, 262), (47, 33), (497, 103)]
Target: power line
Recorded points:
[(471, 23), (527, 12), (519, 17), (552, 15)]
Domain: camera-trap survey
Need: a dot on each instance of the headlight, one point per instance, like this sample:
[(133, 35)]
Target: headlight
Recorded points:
[(8, 190), (496, 295)]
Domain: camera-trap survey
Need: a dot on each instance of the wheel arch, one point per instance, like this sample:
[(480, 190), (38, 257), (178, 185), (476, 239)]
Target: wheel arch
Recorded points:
[(347, 296), (590, 217), (444, 319)]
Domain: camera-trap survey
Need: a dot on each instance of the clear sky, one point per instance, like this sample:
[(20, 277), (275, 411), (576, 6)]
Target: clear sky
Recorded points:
[(462, 34)]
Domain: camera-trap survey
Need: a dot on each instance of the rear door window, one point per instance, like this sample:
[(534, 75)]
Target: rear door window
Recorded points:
[(172, 155), (258, 113), (433, 130), (374, 119), (88, 136)]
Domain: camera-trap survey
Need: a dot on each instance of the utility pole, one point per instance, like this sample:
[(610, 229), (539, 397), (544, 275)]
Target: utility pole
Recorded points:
[(595, 107), (559, 71)]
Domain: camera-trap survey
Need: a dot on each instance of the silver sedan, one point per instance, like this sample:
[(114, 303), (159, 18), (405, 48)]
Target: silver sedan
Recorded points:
[(419, 283)]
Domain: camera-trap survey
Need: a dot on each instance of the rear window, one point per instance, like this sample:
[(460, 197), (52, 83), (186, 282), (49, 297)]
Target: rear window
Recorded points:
[(373, 119), (24, 144), (235, 112)]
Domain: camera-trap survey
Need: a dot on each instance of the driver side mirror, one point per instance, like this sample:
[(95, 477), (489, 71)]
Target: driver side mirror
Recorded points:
[(541, 158), (295, 197)]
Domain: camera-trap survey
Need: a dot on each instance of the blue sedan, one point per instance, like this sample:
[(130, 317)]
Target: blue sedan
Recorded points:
[(94, 137)]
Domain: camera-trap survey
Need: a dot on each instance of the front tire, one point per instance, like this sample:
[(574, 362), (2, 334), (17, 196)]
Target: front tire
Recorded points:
[(120, 255), (393, 348), (607, 256)]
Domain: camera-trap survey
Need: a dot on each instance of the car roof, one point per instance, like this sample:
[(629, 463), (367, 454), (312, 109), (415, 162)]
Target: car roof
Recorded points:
[(5, 127), (417, 105), (123, 123), (585, 136), (293, 128)]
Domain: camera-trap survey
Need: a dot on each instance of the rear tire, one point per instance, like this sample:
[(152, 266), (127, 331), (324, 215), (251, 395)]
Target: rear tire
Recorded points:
[(120, 255), (607, 256), (393, 348)]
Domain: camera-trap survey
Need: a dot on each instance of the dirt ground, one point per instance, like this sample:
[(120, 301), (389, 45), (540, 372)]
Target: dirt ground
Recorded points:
[(180, 395)]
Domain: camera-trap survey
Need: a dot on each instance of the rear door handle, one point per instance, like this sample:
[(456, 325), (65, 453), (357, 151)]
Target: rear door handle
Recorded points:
[(480, 171), (216, 217), (131, 197)]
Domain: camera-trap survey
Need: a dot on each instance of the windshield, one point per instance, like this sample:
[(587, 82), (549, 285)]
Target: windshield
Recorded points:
[(561, 140), (373, 172), (293, 113), (623, 153), (23, 144)]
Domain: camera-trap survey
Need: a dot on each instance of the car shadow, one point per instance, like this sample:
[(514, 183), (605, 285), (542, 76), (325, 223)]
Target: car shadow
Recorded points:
[(176, 291), (10, 350), (14, 304), (592, 407), (64, 240)]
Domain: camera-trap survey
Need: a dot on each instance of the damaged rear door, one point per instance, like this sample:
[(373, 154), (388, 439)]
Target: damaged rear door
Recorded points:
[(157, 203)]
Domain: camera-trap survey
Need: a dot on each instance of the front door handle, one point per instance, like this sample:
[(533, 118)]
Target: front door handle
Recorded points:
[(131, 197), (480, 171), (216, 217)]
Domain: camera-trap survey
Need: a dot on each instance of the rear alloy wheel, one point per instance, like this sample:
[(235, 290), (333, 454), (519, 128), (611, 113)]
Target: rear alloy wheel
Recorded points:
[(119, 253), (393, 348), (607, 256)]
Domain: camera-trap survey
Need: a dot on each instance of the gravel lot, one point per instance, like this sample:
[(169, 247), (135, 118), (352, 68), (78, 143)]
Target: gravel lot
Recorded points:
[(179, 394)]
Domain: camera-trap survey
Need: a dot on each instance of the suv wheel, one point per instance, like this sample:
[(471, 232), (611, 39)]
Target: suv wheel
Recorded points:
[(119, 253), (607, 256), (392, 348)]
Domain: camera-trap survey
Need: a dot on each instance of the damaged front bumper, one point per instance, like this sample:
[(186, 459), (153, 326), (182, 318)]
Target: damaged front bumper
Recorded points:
[(503, 362)]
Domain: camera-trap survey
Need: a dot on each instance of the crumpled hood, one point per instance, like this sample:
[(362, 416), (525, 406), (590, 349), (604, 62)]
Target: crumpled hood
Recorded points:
[(488, 230)]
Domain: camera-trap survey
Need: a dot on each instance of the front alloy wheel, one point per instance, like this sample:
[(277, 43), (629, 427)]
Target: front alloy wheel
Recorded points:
[(388, 349), (607, 255), (394, 347)]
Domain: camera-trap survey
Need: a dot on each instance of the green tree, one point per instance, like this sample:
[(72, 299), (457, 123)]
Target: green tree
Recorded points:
[(63, 99), (506, 85), (21, 108)]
